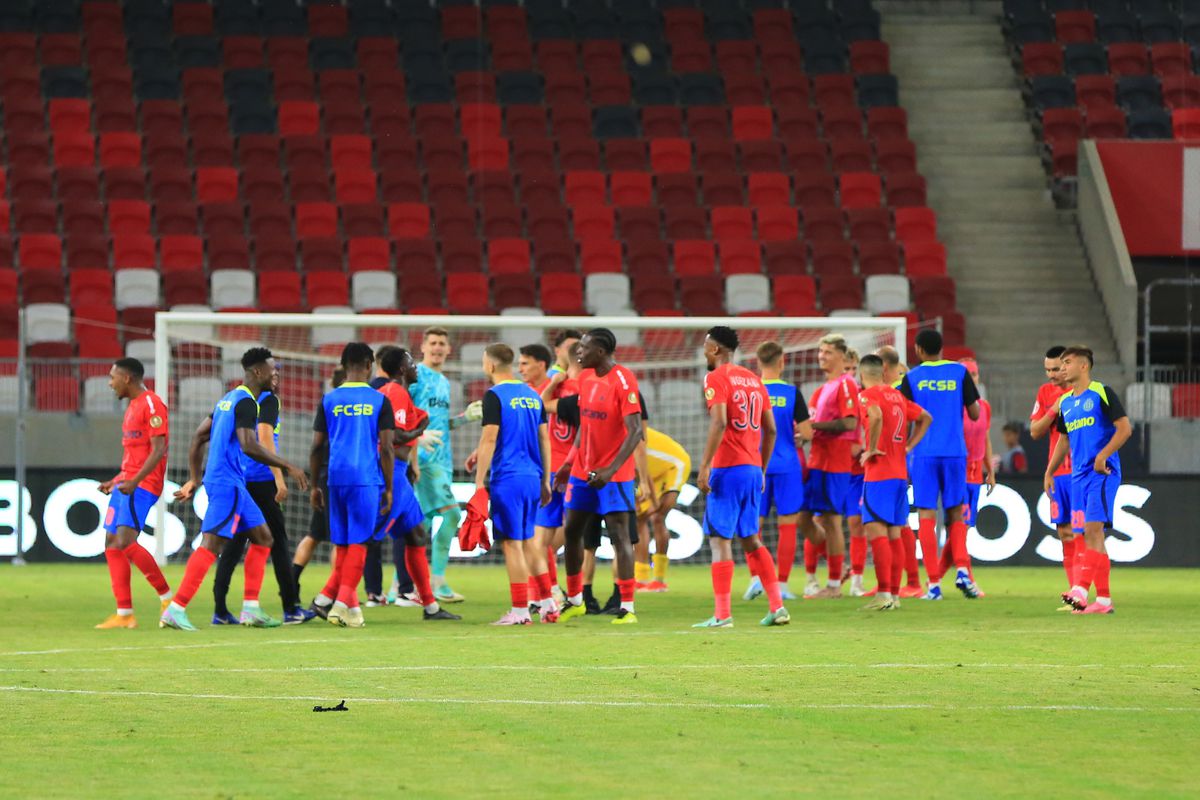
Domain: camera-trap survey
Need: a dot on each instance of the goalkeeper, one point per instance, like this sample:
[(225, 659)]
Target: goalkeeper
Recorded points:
[(431, 393)]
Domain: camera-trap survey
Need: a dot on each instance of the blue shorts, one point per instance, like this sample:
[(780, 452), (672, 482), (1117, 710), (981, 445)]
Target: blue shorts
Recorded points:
[(405, 513), (515, 504), (886, 502), (610, 498), (853, 507), (1060, 501), (828, 492), (732, 506), (1094, 499), (551, 514), (353, 512), (230, 509), (785, 491), (972, 503), (129, 510), (934, 476), (434, 490)]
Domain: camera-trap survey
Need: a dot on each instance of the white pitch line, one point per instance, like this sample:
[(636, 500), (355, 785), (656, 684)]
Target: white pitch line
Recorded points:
[(612, 703)]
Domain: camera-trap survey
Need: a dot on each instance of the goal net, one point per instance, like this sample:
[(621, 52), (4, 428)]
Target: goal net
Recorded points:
[(196, 359)]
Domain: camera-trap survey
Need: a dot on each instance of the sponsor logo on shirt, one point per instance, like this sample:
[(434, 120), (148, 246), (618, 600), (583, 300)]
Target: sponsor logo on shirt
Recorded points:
[(778, 402), (593, 414), (709, 393), (938, 386), (353, 410), (1082, 422), (531, 403)]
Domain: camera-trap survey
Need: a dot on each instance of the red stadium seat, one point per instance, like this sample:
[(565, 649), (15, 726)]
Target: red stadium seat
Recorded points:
[(600, 255), (316, 219), (57, 393), (916, 224), (42, 286), (275, 253), (823, 223), (69, 114), (732, 222), (752, 122), (120, 149), (653, 289), (817, 188), (722, 189), (298, 118), (624, 155), (562, 295), (670, 155), (686, 221), (128, 216), (933, 295), (676, 189), (638, 223), (555, 255), (777, 223), (702, 295), (408, 220), (878, 258), (73, 149), (662, 122), (1128, 58), (861, 190), (694, 258), (368, 254), (1042, 58), (508, 256), (869, 224), (182, 253), (851, 154), (322, 254), (839, 292), (1170, 58), (185, 288), (769, 188), (133, 251), (584, 188), (462, 254), (832, 258), (593, 222), (869, 58), (716, 154), (216, 184), (279, 292), (649, 255), (1185, 400), (924, 258), (35, 216), (468, 293), (327, 289), (795, 295), (740, 257), (514, 291), (1074, 26), (631, 189)]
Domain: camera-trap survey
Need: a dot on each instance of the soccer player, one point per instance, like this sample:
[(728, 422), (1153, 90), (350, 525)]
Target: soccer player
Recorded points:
[(402, 592), (887, 415), (268, 489), (318, 528), (858, 537), (893, 371), (534, 366), (549, 520), (230, 431), (138, 486), (599, 478), (513, 466), (740, 442), (977, 433), (827, 490), (1095, 424), (403, 521), (564, 350), (939, 464), (431, 393), (1043, 419), (784, 487), (669, 466)]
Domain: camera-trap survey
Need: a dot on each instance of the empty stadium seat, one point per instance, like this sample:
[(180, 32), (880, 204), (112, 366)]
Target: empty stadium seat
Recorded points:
[(606, 293)]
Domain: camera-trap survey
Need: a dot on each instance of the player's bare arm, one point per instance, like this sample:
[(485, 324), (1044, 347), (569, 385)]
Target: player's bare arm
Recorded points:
[(484, 453), (718, 420), (804, 431), (564, 471), (195, 459), (633, 435), (841, 425), (251, 447), (544, 448), (316, 461), (1041, 426), (1120, 436), (1056, 459), (158, 449), (988, 470), (387, 466), (549, 401), (973, 411)]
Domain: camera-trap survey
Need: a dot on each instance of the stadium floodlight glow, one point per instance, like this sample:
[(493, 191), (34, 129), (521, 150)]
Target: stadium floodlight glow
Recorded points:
[(196, 355)]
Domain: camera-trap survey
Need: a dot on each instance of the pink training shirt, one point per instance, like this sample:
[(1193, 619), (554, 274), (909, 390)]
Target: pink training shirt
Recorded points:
[(976, 433)]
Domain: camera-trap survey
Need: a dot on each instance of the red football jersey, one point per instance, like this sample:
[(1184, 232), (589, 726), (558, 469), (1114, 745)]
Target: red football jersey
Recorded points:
[(404, 411), (145, 418), (604, 403), (746, 400), (562, 435), (1047, 397), (897, 411)]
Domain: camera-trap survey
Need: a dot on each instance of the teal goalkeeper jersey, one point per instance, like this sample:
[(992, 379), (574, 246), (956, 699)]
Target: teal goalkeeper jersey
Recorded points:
[(431, 394)]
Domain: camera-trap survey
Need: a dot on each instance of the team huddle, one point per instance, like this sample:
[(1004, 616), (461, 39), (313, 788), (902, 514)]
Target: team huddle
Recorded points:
[(566, 455)]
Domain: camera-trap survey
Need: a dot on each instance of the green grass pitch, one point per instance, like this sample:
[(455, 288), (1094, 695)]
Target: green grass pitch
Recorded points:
[(1000, 697)]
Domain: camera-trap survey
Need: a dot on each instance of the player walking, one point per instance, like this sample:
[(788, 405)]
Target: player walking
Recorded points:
[(138, 486), (230, 431), (1042, 420), (1095, 424), (887, 415), (939, 464), (741, 439)]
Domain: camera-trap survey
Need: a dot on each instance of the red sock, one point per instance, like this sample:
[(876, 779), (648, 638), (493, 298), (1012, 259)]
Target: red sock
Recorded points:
[(193, 576), (544, 586), (552, 563), (335, 575), (352, 571), (519, 592), (533, 588), (958, 537), (141, 558), (1081, 557), (927, 532), (911, 568), (574, 584), (1069, 559), (881, 550), (946, 559), (118, 575), (764, 568), (1103, 570), (810, 557), (626, 588), (256, 565), (897, 563), (1087, 573), (416, 560), (822, 550), (722, 583), (837, 565), (858, 554), (785, 555)]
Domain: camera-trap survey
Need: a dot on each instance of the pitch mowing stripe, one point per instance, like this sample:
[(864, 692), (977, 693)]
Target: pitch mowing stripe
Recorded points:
[(582, 667), (614, 703)]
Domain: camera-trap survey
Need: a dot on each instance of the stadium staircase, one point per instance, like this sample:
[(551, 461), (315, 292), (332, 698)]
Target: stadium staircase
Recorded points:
[(1022, 276)]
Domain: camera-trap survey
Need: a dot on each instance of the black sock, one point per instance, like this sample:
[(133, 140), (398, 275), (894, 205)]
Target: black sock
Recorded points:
[(296, 570), (587, 593)]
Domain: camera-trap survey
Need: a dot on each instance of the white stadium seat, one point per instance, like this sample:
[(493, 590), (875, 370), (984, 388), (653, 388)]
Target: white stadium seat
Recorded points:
[(1159, 406), (523, 336), (373, 290), (47, 322), (9, 388), (338, 334), (98, 397), (887, 293), (143, 351), (135, 288), (199, 394), (231, 288), (745, 293), (199, 332), (605, 293)]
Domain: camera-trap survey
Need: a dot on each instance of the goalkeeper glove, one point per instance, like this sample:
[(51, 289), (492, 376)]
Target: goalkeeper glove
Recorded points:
[(474, 412), (430, 440)]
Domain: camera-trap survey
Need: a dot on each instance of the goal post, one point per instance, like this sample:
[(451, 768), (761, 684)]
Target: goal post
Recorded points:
[(196, 355)]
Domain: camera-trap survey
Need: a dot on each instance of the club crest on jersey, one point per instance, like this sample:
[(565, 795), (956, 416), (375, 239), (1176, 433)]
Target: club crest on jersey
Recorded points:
[(1088, 404), (633, 397), (709, 393), (156, 421)]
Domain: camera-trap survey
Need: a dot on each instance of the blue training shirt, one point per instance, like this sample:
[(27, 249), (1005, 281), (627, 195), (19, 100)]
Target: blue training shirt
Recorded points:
[(353, 415), (787, 403), (1088, 420), (519, 412), (944, 389), (237, 409), (268, 414), (431, 394)]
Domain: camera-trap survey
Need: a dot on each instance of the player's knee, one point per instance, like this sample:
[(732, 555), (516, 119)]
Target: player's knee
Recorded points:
[(416, 537)]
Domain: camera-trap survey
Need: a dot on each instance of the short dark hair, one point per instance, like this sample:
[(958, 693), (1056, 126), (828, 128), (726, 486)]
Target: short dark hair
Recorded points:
[(1016, 427), (569, 333), (390, 359), (930, 341), (255, 356), (435, 330), (769, 353), (605, 338), (338, 377), (538, 352), (724, 335), (870, 360), (357, 354), (500, 354), (382, 352), (135, 368), (1080, 350), (1055, 352)]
